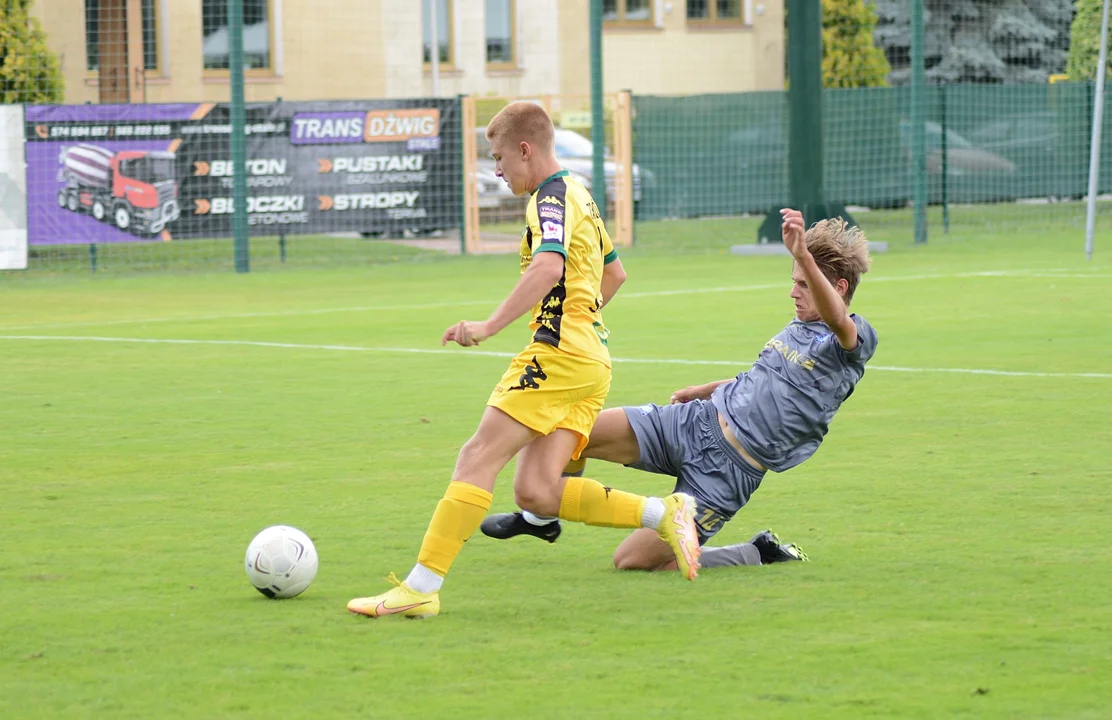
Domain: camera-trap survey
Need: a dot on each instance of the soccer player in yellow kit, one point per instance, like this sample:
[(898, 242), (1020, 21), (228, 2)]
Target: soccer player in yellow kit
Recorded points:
[(543, 408)]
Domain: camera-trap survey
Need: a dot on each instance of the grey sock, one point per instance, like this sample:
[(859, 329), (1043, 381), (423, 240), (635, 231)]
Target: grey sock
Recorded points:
[(729, 555)]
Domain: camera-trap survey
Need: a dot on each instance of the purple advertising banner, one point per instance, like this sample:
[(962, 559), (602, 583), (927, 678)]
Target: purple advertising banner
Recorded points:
[(54, 219), (110, 113), (130, 173)]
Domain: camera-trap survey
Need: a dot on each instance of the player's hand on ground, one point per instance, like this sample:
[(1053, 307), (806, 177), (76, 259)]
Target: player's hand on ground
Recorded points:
[(792, 231), (688, 394), (466, 333)]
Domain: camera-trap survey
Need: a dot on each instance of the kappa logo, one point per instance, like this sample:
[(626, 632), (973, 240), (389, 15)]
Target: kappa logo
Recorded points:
[(529, 378), (550, 200)]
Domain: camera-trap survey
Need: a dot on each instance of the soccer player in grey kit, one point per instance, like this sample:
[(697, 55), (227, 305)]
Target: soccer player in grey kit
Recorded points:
[(718, 440)]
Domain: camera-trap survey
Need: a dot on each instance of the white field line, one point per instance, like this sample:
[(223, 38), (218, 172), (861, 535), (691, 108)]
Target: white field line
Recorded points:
[(487, 353), (1047, 273)]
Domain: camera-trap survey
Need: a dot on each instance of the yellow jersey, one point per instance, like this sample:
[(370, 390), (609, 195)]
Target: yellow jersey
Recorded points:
[(562, 217)]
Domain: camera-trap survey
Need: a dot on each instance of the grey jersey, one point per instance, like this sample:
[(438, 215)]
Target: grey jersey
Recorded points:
[(781, 408)]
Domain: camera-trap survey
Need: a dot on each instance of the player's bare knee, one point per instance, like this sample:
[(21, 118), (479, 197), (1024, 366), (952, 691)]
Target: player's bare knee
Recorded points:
[(537, 497), (627, 557), (627, 560)]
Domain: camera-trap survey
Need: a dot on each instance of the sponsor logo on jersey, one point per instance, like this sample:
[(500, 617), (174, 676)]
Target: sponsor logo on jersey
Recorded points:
[(790, 354), (552, 230)]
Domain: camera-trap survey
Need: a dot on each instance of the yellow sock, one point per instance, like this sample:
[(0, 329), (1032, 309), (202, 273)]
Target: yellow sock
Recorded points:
[(590, 502), (456, 518)]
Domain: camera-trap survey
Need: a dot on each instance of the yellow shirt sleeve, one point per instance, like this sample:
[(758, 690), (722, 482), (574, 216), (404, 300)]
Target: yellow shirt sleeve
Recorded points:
[(549, 219)]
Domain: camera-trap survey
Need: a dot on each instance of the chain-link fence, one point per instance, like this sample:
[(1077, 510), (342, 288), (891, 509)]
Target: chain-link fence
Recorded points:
[(1018, 152), (122, 183)]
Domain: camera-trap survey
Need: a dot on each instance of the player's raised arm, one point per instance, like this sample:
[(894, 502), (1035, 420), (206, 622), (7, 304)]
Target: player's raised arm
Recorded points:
[(828, 299), (697, 392)]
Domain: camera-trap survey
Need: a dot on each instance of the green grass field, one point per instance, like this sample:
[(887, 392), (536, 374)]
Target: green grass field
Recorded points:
[(958, 517)]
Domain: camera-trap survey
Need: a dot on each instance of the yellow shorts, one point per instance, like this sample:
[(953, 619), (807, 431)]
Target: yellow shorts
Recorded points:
[(545, 389)]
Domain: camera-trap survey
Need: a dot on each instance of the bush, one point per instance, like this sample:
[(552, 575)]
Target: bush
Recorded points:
[(1085, 42), (29, 70), (850, 58)]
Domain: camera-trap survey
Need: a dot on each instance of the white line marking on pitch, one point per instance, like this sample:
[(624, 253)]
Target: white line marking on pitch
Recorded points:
[(1050, 273), (487, 353)]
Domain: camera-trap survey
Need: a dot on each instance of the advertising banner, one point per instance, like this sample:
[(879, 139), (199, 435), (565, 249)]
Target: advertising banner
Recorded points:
[(13, 185), (122, 173)]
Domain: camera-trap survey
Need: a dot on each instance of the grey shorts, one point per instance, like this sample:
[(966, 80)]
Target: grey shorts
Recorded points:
[(686, 442)]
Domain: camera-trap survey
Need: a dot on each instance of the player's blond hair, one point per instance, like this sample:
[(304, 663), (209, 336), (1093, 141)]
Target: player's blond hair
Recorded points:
[(523, 121), (840, 252)]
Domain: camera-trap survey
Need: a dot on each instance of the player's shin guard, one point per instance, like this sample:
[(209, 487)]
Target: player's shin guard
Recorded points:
[(589, 502), (456, 518)]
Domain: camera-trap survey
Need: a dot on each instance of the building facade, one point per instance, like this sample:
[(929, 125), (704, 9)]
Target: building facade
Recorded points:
[(177, 50)]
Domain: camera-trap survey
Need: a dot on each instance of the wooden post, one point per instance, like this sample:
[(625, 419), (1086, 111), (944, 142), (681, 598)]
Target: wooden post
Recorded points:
[(137, 79), (623, 176), (112, 73), (470, 227)]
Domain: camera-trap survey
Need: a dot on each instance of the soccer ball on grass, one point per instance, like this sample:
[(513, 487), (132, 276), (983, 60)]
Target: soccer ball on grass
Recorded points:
[(281, 562)]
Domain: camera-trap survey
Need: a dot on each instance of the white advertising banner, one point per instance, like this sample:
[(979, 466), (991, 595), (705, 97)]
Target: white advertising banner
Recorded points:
[(13, 190)]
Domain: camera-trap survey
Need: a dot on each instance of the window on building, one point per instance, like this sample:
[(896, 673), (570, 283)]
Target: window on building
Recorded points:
[(256, 34), (94, 33), (627, 12), (725, 12), (500, 33), (443, 31)]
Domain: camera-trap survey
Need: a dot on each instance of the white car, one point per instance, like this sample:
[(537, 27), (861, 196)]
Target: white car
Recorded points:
[(576, 155)]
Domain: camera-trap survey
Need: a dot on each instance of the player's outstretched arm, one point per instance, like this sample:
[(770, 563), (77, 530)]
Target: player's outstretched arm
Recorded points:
[(613, 275), (542, 274), (697, 392), (830, 306)]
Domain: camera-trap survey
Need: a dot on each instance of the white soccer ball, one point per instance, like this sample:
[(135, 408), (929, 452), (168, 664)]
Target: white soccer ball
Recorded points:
[(281, 561)]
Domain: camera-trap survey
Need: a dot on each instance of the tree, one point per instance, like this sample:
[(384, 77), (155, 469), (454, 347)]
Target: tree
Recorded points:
[(29, 70), (850, 58), (1085, 42), (978, 41)]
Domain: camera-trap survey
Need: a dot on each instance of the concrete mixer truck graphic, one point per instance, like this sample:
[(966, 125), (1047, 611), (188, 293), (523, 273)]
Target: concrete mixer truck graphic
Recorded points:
[(134, 190)]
